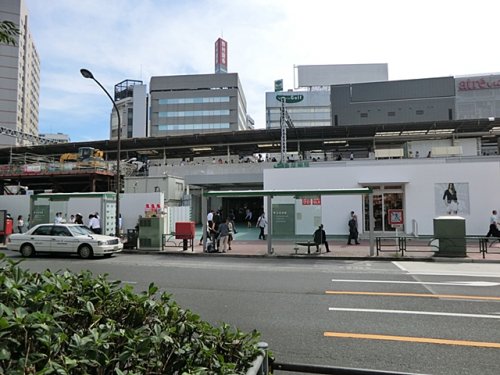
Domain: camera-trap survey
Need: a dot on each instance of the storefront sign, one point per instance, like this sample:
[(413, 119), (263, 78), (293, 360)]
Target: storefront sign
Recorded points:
[(478, 84), (290, 98)]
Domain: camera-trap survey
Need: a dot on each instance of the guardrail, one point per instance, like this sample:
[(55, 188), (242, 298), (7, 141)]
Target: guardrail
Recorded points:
[(262, 365), (399, 244)]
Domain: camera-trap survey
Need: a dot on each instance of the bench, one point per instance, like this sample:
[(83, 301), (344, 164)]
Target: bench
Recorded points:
[(308, 244)]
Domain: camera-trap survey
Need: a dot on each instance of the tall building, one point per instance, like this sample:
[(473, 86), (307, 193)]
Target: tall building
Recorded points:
[(19, 76), (310, 105), (131, 99), (197, 103)]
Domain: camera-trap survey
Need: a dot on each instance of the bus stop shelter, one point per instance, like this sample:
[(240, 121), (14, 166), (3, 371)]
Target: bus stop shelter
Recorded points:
[(304, 193)]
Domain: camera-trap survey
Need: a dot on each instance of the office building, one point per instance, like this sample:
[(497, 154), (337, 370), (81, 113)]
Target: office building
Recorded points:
[(197, 103), (310, 104), (131, 99), (19, 76)]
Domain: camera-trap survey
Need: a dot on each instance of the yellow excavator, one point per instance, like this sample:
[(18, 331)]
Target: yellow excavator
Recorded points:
[(85, 158)]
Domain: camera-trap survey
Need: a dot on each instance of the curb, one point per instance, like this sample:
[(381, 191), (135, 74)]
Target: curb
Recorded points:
[(310, 256)]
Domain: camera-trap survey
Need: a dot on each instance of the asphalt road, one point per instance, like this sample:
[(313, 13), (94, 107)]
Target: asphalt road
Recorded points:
[(420, 317)]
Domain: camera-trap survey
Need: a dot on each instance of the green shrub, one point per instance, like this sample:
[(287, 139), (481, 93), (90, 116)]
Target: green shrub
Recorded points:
[(66, 323)]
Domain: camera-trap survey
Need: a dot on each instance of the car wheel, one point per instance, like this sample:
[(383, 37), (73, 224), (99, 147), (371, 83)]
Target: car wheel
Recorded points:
[(85, 252), (27, 250)]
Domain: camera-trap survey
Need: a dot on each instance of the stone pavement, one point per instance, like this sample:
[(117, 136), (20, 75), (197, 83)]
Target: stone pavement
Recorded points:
[(416, 250)]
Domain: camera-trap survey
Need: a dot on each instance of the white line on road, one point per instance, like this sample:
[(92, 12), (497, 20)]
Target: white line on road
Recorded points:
[(454, 283), (417, 313)]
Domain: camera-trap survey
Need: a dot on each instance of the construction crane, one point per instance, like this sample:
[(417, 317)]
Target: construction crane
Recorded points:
[(28, 137)]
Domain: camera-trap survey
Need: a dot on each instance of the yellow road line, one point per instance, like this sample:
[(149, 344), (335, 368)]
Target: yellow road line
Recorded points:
[(425, 340), (455, 296)]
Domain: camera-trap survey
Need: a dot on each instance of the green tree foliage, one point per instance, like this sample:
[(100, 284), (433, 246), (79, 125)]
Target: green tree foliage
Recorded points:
[(66, 323), (8, 33)]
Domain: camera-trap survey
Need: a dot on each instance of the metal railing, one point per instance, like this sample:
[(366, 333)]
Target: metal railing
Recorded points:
[(262, 365)]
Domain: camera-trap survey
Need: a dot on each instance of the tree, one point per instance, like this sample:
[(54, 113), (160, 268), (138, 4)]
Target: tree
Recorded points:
[(8, 33)]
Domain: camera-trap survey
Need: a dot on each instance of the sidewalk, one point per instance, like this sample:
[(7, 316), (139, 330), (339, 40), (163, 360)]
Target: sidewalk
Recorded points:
[(246, 244)]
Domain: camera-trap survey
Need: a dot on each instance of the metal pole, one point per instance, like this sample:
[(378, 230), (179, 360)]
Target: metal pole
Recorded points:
[(371, 223), (87, 74), (269, 226)]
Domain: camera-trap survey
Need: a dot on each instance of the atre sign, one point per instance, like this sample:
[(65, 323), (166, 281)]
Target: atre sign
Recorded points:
[(478, 84), (290, 98)]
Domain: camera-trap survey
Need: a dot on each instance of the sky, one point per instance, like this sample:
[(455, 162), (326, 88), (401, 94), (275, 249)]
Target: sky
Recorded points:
[(138, 39)]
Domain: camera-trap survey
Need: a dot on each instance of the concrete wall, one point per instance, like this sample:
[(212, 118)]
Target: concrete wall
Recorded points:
[(431, 99), (418, 177)]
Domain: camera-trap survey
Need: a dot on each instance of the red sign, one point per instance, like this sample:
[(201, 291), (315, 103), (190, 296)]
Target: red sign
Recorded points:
[(317, 201), (221, 54), (478, 84), (306, 201), (395, 217)]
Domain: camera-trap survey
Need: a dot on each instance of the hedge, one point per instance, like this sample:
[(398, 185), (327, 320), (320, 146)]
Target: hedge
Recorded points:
[(68, 323)]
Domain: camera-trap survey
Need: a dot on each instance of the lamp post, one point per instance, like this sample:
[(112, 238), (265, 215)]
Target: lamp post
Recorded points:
[(88, 74)]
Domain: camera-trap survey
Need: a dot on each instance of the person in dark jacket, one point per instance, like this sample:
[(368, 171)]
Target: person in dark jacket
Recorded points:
[(320, 239), (353, 229)]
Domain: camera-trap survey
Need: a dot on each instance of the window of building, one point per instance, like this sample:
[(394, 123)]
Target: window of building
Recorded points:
[(215, 99), (419, 112), (391, 114), (363, 114), (221, 112)]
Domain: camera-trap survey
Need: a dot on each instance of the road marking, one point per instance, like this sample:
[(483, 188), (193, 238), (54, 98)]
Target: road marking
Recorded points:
[(416, 313), (425, 340), (453, 296), (454, 283)]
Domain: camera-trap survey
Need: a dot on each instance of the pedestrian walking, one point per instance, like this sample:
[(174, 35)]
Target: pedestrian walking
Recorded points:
[(493, 229), (353, 229), (262, 224)]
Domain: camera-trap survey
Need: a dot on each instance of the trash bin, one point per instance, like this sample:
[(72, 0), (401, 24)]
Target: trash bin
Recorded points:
[(131, 239), (450, 232)]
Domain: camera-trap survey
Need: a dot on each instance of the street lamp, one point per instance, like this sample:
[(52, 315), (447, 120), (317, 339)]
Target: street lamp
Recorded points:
[(88, 74)]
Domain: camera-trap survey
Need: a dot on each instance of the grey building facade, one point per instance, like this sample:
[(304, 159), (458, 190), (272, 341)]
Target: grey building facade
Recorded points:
[(197, 103), (131, 99), (431, 99), (19, 76)]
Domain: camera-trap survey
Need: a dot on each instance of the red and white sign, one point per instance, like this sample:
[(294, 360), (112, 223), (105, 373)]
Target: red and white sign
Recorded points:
[(221, 55), (395, 217)]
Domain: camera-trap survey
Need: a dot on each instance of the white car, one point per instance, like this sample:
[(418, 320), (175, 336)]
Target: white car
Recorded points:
[(63, 238)]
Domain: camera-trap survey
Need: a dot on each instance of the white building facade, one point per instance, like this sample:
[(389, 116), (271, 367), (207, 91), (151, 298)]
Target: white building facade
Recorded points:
[(417, 187)]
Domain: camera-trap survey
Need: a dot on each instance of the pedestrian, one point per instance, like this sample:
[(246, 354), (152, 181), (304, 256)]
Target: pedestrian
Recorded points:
[(320, 239), (493, 230), (72, 218), (262, 224), (353, 229), (210, 218), (58, 219), (232, 218), (79, 219), (230, 227), (223, 235), (94, 224), (248, 218), (20, 224)]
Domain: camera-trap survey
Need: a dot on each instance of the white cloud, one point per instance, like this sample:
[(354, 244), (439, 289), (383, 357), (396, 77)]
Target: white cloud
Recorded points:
[(129, 39)]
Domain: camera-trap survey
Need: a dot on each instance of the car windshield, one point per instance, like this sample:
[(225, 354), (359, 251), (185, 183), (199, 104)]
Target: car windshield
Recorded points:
[(80, 230)]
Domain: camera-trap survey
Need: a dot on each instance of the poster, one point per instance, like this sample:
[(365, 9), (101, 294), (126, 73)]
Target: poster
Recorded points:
[(451, 198)]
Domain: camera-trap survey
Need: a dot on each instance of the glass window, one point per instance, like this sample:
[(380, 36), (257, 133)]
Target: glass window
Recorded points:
[(44, 230), (215, 99), (61, 231)]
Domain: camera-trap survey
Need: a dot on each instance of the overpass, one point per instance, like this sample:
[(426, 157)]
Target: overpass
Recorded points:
[(322, 139)]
